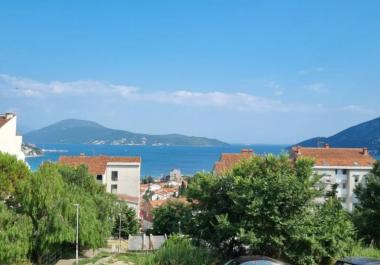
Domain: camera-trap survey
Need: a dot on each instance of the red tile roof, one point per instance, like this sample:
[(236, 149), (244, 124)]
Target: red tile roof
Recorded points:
[(96, 164), (227, 160), (127, 198), (3, 120), (342, 157)]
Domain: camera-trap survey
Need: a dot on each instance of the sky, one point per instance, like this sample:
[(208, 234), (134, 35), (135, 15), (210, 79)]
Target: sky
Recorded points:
[(263, 72)]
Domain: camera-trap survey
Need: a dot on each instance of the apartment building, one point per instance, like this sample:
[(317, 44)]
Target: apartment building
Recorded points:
[(120, 175), (10, 142), (346, 167)]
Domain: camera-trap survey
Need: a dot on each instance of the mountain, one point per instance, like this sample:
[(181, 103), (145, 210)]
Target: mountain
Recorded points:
[(75, 131), (366, 134)]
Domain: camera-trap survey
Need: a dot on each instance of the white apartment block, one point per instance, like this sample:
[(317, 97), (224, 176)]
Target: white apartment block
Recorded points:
[(10, 142), (346, 167), (120, 175)]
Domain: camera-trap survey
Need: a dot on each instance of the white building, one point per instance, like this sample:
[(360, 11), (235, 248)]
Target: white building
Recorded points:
[(10, 142), (120, 175), (175, 175), (346, 167)]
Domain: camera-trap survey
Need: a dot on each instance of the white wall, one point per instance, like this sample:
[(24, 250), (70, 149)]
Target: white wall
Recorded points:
[(128, 182), (9, 141)]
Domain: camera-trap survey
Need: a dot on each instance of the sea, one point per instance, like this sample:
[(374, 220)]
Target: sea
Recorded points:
[(157, 161)]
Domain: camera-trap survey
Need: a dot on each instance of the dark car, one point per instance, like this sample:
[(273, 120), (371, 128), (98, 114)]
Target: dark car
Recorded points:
[(358, 261), (255, 260)]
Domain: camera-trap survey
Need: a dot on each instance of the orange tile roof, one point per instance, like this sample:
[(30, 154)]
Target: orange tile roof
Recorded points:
[(228, 160), (3, 120), (127, 198), (341, 157), (96, 164)]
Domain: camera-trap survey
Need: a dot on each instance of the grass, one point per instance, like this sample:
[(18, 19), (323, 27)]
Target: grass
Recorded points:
[(365, 251)]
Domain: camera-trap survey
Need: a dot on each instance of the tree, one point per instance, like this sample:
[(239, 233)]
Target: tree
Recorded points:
[(43, 198), (129, 223), (147, 180), (265, 205), (15, 234), (367, 211), (172, 217), (12, 172)]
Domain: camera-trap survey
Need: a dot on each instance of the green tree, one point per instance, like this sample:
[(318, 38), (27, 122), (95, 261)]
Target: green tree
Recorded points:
[(129, 222), (15, 234), (265, 205), (172, 217), (43, 198), (367, 211), (12, 171)]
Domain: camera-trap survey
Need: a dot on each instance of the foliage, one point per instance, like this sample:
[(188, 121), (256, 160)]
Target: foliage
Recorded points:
[(171, 218), (12, 171), (43, 199), (129, 223), (48, 199), (367, 211), (147, 180), (179, 250), (15, 231), (266, 205), (360, 250)]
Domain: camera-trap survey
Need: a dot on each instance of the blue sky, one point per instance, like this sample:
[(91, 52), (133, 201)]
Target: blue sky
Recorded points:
[(240, 71)]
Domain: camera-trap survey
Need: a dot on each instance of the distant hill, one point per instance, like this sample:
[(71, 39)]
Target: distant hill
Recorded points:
[(366, 134), (75, 131)]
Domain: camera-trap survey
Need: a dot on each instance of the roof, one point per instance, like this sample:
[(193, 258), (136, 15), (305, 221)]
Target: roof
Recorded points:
[(4, 120), (228, 160), (360, 261), (341, 157), (96, 164), (127, 198)]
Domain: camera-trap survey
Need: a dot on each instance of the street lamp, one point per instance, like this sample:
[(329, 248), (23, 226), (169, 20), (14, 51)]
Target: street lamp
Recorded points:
[(119, 231), (77, 239)]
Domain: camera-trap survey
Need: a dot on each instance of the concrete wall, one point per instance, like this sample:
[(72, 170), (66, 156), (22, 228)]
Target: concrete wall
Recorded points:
[(128, 182), (9, 141)]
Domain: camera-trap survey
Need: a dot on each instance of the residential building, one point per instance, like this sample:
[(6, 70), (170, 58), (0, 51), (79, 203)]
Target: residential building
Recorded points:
[(346, 167), (228, 160), (175, 175), (120, 175), (10, 142)]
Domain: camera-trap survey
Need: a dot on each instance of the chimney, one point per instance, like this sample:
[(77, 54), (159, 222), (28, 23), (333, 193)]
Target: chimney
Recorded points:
[(365, 151), (326, 145), (246, 151), (9, 115)]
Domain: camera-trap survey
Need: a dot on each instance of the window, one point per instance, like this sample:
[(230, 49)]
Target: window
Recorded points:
[(343, 185), (114, 175), (344, 199), (356, 178), (344, 171), (114, 188), (99, 177)]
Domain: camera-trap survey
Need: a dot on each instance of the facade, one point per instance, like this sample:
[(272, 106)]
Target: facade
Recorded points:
[(120, 175), (228, 160), (10, 142), (346, 167), (175, 175)]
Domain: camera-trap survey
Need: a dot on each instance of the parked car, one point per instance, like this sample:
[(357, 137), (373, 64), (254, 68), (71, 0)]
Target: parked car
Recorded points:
[(358, 261), (255, 260)]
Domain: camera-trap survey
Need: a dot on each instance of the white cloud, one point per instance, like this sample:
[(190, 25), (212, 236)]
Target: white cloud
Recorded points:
[(311, 70), (318, 88), (237, 101), (358, 109)]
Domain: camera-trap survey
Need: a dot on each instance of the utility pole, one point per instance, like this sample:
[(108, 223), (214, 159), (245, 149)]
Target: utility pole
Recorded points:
[(77, 239), (119, 231)]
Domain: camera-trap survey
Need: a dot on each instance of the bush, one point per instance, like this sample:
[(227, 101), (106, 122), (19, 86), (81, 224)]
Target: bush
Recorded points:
[(179, 250)]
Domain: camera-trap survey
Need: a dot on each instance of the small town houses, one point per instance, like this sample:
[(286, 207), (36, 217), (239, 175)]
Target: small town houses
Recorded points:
[(10, 141)]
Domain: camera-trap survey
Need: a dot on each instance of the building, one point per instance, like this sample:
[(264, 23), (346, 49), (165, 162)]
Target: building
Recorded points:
[(175, 175), (120, 175), (228, 160), (10, 142), (346, 167)]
